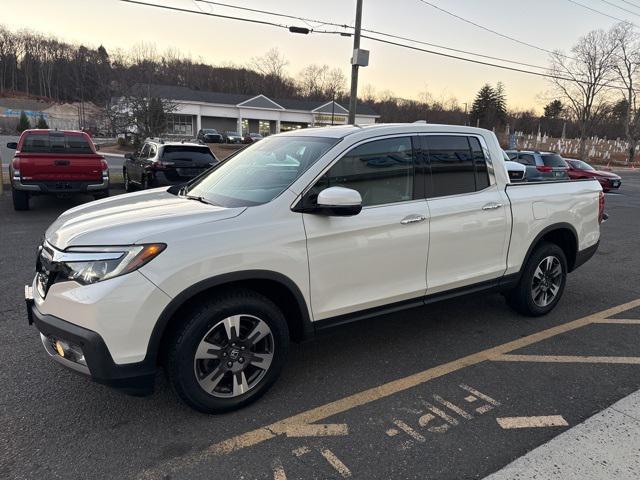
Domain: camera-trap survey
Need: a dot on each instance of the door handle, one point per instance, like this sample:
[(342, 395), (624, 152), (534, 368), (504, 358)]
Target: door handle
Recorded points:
[(412, 219), (492, 206)]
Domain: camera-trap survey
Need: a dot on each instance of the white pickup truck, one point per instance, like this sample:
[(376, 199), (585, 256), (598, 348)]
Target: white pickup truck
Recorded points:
[(294, 234)]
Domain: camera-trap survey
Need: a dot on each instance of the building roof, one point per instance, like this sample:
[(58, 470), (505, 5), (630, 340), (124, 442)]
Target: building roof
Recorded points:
[(185, 94)]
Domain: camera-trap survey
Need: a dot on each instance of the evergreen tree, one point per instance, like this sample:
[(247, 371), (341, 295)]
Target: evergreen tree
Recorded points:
[(42, 123), (23, 123), (554, 109), (157, 117), (489, 108)]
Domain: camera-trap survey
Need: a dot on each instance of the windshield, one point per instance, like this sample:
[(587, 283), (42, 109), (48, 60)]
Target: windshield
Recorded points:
[(210, 131), (553, 160), (261, 172), (580, 165)]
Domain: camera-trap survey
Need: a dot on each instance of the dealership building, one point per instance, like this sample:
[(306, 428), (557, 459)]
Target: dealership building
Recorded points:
[(196, 109)]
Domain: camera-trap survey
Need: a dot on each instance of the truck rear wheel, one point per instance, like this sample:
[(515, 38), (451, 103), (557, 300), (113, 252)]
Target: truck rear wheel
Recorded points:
[(20, 200), (228, 352), (542, 283)]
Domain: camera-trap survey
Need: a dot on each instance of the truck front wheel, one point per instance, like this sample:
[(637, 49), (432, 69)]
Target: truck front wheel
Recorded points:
[(228, 351), (542, 282), (20, 200)]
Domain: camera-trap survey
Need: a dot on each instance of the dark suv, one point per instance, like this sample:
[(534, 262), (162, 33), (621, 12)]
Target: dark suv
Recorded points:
[(160, 163), (209, 135), (541, 165)]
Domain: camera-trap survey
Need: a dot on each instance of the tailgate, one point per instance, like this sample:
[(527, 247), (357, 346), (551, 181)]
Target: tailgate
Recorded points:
[(74, 167)]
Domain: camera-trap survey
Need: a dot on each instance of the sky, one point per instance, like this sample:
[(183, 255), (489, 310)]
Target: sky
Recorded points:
[(551, 24)]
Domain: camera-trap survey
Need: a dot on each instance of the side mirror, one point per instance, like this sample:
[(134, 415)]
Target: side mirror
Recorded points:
[(516, 171), (12, 145), (97, 147), (339, 202)]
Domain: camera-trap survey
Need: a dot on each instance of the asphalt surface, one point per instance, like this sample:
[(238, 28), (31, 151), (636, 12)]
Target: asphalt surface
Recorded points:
[(57, 424)]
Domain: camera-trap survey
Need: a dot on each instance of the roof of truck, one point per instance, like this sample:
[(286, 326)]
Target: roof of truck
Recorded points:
[(342, 131)]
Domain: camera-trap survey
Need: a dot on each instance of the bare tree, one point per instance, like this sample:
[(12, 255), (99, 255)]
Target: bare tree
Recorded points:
[(627, 67), (582, 79), (321, 82)]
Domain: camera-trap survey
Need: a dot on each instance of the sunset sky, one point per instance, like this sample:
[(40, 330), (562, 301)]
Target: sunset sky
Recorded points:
[(551, 24)]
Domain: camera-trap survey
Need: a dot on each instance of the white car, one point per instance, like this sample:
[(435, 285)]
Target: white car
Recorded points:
[(294, 234)]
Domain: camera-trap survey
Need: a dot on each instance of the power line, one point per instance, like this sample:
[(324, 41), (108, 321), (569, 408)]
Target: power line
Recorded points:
[(600, 12), (621, 8), (489, 64), (487, 29), (376, 32), (380, 40)]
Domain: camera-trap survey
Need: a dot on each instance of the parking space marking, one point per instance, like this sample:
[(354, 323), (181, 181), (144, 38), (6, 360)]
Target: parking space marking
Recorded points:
[(336, 463), (278, 471), (532, 422), (566, 359), (619, 321), (315, 430), (342, 405), (410, 431)]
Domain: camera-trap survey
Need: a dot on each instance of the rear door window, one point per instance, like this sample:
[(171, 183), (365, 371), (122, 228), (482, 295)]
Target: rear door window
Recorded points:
[(56, 143), (527, 159), (453, 169), (553, 160)]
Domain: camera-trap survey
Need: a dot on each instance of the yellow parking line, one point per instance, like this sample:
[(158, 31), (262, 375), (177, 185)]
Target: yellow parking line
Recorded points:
[(532, 422), (566, 359), (619, 321), (322, 412)]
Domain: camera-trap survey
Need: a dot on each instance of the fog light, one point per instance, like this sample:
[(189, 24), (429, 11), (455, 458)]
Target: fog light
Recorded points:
[(68, 350)]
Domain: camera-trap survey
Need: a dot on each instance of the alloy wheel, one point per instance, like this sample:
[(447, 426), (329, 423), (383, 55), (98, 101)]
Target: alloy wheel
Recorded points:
[(547, 280), (234, 356)]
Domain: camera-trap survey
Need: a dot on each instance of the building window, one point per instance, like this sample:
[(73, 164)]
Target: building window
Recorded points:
[(179, 124), (245, 126), (264, 127)]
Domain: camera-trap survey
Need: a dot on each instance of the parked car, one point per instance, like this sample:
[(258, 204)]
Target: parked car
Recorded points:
[(541, 165), (53, 162), (517, 172), (293, 235), (252, 137), (232, 137), (159, 163), (209, 135), (579, 169)]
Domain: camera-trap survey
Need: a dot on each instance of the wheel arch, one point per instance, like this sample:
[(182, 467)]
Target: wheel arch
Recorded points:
[(277, 287), (562, 234)]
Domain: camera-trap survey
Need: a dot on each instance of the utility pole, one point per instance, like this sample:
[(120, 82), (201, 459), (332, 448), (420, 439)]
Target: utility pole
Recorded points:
[(355, 64)]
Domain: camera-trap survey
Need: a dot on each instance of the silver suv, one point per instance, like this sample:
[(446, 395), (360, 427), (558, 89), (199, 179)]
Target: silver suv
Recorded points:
[(540, 165)]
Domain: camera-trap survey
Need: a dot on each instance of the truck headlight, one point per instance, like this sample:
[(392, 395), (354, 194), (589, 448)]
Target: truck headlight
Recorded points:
[(87, 265)]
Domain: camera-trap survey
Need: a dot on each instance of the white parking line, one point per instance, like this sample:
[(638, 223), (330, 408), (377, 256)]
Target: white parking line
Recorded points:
[(336, 463), (532, 422)]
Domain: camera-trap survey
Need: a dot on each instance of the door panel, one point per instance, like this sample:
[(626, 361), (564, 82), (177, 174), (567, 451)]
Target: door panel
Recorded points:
[(380, 255), (468, 239), (470, 216), (368, 260)]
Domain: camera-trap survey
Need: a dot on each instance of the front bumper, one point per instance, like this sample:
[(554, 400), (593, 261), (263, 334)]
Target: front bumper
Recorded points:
[(132, 378)]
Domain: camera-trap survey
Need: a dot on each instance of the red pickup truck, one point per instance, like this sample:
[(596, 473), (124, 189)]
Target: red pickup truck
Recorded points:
[(56, 162)]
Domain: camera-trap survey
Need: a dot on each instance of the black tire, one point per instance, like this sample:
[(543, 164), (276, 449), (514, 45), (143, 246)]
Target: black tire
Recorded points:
[(20, 200), (180, 362), (128, 187), (529, 298)]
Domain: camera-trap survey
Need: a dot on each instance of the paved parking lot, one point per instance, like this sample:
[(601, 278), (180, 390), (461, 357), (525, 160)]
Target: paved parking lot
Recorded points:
[(436, 392)]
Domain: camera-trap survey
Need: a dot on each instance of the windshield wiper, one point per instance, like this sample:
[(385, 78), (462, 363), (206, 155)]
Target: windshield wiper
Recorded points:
[(199, 199)]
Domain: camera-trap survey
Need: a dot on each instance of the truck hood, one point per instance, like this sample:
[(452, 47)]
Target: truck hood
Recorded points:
[(126, 219)]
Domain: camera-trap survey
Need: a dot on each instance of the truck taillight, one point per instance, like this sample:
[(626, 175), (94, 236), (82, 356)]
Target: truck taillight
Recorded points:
[(544, 168), (601, 207)]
